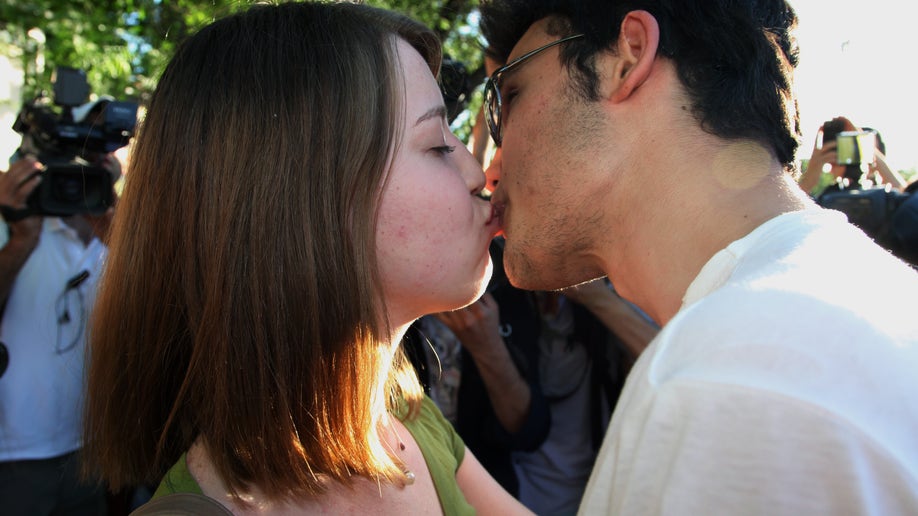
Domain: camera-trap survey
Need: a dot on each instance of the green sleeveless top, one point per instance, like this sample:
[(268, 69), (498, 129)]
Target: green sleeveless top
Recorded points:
[(441, 446)]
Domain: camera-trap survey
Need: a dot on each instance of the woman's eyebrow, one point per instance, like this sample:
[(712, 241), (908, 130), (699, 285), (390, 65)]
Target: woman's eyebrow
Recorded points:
[(434, 112)]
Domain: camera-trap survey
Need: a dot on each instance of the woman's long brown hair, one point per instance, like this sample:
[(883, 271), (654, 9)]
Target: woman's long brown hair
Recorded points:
[(240, 301)]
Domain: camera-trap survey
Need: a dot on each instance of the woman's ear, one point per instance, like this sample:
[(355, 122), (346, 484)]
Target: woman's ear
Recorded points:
[(637, 46)]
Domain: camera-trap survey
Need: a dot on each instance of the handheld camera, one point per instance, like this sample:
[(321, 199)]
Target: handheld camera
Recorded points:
[(855, 147), (889, 217), (70, 149)]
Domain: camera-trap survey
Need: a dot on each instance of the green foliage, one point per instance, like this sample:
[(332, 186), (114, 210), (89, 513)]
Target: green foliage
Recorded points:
[(452, 20), (123, 45), (455, 22)]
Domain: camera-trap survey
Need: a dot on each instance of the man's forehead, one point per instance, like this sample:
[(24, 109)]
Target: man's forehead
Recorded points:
[(536, 36)]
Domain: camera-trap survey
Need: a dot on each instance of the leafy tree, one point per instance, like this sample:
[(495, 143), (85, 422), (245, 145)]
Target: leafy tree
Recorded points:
[(455, 21), (123, 45)]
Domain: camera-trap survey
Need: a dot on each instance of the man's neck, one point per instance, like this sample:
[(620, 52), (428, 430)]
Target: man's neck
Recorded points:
[(82, 227), (717, 196)]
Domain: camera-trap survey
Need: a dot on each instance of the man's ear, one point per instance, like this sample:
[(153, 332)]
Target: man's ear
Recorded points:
[(637, 49)]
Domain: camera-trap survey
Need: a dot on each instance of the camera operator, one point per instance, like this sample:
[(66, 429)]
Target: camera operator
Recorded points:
[(49, 266), (825, 153), (864, 188)]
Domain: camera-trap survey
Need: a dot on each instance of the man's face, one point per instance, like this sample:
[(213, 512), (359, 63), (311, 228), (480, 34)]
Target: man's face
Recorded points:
[(544, 172)]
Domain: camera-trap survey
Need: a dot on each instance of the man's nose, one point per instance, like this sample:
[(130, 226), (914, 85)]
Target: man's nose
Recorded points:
[(492, 173)]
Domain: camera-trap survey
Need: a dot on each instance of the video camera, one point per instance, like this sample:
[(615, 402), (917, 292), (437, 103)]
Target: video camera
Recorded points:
[(70, 143), (455, 86), (853, 148), (887, 216)]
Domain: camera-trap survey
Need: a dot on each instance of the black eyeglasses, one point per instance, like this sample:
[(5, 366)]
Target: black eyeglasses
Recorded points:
[(492, 88)]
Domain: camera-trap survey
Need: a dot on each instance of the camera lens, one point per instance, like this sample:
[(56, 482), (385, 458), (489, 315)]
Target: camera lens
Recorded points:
[(72, 188), (68, 189)]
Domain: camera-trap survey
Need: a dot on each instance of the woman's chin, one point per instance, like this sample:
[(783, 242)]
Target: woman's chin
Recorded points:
[(481, 286), (466, 297)]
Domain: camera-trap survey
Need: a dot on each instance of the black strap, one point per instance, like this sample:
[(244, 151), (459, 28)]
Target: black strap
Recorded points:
[(13, 214)]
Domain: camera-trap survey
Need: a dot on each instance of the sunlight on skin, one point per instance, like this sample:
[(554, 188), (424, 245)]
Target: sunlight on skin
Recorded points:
[(732, 164)]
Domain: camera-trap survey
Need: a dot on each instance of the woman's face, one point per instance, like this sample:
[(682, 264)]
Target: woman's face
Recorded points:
[(433, 231)]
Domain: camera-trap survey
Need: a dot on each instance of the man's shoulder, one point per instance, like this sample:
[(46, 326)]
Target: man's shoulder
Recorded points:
[(849, 361), (808, 276), (757, 326)]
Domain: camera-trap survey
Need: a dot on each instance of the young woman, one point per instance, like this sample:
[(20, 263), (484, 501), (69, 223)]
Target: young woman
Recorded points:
[(295, 201)]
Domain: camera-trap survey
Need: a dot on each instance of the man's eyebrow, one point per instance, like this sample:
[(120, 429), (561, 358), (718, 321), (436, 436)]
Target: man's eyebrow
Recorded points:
[(434, 112)]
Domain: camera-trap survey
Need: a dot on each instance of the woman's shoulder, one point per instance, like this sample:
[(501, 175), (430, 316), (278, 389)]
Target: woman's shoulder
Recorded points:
[(178, 480), (443, 452), (429, 424)]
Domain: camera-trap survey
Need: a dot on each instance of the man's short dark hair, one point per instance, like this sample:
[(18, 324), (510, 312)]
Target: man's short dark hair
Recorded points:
[(735, 58)]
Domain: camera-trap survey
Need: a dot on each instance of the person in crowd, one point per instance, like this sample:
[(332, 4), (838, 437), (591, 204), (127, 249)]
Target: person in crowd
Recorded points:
[(654, 142), (529, 380), (589, 338), (49, 268), (296, 201), (480, 366), (848, 172), (485, 385), (824, 161)]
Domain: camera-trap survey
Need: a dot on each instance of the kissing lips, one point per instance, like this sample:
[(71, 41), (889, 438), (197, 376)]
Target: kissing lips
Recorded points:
[(497, 215)]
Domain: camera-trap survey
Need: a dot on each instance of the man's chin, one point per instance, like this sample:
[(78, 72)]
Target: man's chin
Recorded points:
[(525, 274)]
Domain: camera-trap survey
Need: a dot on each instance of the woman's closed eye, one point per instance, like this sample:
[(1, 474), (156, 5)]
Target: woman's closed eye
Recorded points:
[(443, 149)]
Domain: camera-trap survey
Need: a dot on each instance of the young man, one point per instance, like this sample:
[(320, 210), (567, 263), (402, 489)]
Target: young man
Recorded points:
[(653, 142)]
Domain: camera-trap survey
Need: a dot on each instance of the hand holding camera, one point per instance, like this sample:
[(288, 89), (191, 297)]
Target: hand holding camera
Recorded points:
[(72, 143), (856, 154), (862, 190), (848, 150), (855, 151), (16, 185)]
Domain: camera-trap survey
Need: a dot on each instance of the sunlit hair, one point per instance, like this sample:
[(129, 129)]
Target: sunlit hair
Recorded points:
[(240, 302)]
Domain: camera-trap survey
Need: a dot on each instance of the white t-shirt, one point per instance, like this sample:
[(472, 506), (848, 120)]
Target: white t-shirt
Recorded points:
[(786, 384), (44, 325)]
